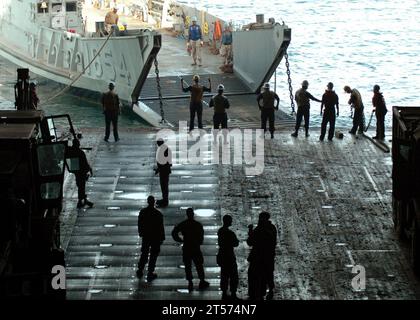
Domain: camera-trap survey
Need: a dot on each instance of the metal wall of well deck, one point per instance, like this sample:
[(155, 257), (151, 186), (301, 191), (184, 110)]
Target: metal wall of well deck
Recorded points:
[(243, 112), (104, 248)]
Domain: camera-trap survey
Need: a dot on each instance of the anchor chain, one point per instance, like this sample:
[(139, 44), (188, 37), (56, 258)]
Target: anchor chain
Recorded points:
[(289, 80), (159, 89)]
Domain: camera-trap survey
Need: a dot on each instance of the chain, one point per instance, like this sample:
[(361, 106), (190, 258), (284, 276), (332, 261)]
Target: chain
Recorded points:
[(159, 89), (289, 80)]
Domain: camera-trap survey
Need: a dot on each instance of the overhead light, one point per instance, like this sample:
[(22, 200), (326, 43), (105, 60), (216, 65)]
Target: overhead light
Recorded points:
[(44, 5)]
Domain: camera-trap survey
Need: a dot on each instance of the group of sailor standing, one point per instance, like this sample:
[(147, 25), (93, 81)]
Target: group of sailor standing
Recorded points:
[(268, 102)]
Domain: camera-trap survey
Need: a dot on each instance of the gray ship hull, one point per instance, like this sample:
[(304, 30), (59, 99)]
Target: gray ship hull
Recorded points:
[(89, 63)]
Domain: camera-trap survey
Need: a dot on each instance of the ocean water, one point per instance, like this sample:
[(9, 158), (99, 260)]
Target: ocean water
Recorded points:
[(358, 43), (85, 112)]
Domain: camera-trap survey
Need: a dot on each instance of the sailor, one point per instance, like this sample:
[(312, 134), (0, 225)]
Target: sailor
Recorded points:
[(111, 20), (152, 231), (226, 49), (33, 96), (380, 110), (302, 97), (123, 31), (192, 238), (263, 240), (196, 101), (268, 108), (195, 41), (329, 101), (356, 102), (226, 259), (111, 109), (164, 164), (220, 104), (81, 174)]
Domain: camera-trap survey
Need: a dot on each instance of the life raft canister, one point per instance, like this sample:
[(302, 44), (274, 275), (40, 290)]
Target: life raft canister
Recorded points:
[(187, 20), (217, 30)]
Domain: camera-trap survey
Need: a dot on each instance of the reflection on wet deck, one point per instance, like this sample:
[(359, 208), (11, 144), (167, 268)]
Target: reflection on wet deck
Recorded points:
[(104, 249)]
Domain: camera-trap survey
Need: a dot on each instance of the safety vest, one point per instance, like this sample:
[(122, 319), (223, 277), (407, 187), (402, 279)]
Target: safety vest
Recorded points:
[(194, 32)]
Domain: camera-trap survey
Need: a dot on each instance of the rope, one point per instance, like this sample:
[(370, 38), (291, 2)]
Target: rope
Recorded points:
[(370, 121), (82, 73)]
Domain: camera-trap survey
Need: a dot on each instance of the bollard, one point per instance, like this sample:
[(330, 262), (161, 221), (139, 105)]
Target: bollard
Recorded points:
[(260, 18)]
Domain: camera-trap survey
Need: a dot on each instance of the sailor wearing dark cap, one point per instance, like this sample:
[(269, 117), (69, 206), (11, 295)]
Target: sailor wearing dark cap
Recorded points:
[(328, 104), (380, 110), (111, 108)]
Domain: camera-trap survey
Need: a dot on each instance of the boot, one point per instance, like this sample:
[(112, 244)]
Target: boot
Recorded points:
[(307, 134), (80, 204), (161, 204), (88, 203), (203, 285), (294, 134), (139, 273), (234, 297), (225, 296), (190, 286), (151, 276)]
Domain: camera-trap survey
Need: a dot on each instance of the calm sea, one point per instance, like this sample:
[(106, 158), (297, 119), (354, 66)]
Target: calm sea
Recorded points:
[(358, 43)]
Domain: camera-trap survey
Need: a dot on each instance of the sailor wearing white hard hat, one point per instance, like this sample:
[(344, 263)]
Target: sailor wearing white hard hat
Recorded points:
[(220, 104), (268, 108)]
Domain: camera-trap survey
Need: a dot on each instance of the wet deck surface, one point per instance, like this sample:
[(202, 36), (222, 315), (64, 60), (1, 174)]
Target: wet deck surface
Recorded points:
[(331, 203), (104, 249)]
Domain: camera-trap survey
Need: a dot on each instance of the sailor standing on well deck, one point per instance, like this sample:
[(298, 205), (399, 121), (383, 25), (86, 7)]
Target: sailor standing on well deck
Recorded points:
[(329, 101), (268, 108), (81, 173), (302, 98), (380, 110), (196, 101), (111, 107), (220, 104), (151, 230), (192, 238), (164, 164), (356, 103), (226, 258)]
